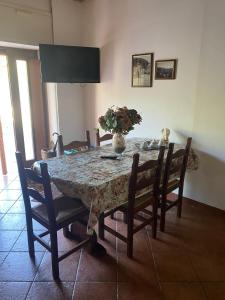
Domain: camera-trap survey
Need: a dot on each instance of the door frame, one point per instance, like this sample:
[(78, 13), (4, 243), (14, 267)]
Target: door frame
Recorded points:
[(14, 54)]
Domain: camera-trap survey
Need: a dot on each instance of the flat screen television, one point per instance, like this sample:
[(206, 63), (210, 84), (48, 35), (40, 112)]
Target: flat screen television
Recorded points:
[(69, 64)]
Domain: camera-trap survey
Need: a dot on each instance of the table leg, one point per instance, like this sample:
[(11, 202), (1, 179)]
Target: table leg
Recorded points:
[(67, 233), (95, 248), (78, 233)]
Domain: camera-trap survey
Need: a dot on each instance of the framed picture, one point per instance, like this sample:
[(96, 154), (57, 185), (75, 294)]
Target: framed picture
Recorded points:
[(165, 69), (142, 66)]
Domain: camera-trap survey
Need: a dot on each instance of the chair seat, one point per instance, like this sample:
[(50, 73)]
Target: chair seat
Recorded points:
[(141, 200), (65, 208), (39, 187)]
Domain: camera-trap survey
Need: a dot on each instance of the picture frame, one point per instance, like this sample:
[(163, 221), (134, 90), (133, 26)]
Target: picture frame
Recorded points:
[(165, 69), (142, 70)]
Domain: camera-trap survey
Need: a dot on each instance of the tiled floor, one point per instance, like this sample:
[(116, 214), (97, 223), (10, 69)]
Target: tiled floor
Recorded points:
[(187, 262)]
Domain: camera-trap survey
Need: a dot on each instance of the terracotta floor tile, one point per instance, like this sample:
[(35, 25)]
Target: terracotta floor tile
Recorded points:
[(10, 194), (209, 267), (95, 291), (17, 208), (191, 249), (14, 290), (215, 291), (64, 244), (110, 240), (141, 244), (3, 256), (205, 242), (8, 239), (67, 268), (18, 266), (174, 266), (166, 241), (137, 270), (5, 206), (138, 292), (102, 269), (183, 291), (4, 182), (14, 185), (51, 291), (22, 244), (12, 222), (37, 226)]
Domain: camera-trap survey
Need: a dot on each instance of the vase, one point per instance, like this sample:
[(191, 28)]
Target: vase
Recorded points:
[(118, 143)]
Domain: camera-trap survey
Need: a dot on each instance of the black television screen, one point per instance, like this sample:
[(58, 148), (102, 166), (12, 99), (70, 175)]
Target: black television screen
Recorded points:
[(69, 63)]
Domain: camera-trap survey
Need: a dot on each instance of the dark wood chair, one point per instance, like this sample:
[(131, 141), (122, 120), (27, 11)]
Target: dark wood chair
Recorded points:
[(140, 196), (103, 138), (79, 145), (53, 214), (173, 178)]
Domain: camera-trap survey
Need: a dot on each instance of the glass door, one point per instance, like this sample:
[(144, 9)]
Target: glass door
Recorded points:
[(25, 107), (7, 137), (24, 110)]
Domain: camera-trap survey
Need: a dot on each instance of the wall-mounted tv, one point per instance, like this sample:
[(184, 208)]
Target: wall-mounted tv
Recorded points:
[(69, 64)]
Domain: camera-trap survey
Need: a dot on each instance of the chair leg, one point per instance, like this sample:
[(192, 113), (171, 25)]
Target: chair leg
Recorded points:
[(54, 247), (30, 236), (112, 216), (130, 222), (154, 219), (179, 205), (163, 214), (101, 230)]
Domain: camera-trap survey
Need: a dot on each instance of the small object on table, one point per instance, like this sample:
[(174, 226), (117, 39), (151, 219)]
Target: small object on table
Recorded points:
[(70, 152), (146, 145), (111, 156), (151, 145), (59, 144), (165, 135), (138, 146), (154, 145)]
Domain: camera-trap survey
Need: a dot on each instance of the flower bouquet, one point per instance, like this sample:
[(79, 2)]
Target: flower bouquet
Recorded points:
[(119, 121)]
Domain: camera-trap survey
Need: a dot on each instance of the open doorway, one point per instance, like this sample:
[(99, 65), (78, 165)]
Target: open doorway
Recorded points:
[(22, 109)]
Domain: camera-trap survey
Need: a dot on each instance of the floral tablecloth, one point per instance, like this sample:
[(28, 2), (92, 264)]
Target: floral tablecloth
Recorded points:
[(101, 184)]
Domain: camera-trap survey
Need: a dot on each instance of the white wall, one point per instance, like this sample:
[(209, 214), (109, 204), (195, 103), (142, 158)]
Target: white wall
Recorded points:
[(52, 101), (208, 183), (25, 21), (123, 28), (30, 22), (191, 31), (67, 15)]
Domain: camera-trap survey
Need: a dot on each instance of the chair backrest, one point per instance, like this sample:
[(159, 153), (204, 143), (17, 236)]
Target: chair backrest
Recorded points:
[(145, 176), (79, 145), (103, 138), (36, 186), (176, 164)]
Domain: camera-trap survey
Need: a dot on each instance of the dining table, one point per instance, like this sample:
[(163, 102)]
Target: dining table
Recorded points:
[(102, 183)]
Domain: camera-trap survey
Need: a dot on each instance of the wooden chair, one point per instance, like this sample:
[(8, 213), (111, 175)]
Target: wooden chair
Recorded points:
[(174, 174), (79, 145), (53, 214), (105, 137), (140, 196)]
